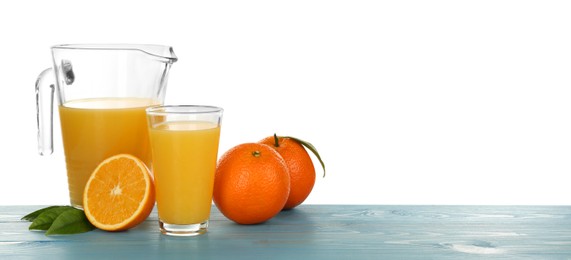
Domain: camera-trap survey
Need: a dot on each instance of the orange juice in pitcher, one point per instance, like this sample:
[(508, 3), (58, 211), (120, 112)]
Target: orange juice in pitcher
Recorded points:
[(95, 129)]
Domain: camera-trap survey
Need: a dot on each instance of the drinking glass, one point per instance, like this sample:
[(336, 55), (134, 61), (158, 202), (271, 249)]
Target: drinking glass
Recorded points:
[(184, 145)]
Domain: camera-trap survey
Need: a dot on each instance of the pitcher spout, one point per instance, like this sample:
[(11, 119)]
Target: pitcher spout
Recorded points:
[(160, 52)]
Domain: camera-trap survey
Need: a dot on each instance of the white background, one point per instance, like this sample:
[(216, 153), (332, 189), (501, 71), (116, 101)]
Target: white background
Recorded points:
[(408, 102)]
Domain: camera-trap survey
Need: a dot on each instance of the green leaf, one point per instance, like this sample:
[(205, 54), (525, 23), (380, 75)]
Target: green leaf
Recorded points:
[(35, 214), (312, 148), (72, 221), (45, 219)]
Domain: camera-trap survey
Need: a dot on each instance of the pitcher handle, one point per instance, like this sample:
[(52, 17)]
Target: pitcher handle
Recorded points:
[(44, 110)]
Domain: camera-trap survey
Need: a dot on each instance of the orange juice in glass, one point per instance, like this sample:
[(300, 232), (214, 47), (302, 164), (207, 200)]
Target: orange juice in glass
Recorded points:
[(98, 128), (184, 144)]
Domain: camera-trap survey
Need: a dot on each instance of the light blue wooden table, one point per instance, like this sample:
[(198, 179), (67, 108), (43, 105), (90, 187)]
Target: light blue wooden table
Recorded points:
[(319, 232)]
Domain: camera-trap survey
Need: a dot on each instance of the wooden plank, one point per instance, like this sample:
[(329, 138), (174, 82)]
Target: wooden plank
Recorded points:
[(320, 232)]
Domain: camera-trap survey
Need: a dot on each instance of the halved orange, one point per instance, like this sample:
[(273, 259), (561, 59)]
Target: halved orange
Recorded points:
[(120, 193)]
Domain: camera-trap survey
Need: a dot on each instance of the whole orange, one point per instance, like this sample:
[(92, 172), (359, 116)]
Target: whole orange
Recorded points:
[(299, 164), (251, 184)]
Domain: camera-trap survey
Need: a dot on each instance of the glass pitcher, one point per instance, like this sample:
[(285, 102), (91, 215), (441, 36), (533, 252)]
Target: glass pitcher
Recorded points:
[(102, 92)]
